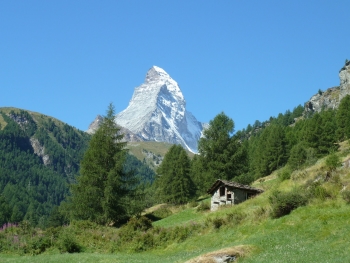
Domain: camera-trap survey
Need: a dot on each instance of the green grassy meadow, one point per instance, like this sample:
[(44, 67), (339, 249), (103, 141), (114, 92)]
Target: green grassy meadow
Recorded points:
[(317, 232)]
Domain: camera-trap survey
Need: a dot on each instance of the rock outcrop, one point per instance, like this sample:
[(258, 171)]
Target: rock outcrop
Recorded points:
[(331, 98), (40, 150)]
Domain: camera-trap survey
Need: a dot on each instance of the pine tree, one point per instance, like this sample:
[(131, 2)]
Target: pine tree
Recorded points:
[(103, 185), (174, 183), (270, 151), (343, 119), (216, 150), (221, 155), (298, 156)]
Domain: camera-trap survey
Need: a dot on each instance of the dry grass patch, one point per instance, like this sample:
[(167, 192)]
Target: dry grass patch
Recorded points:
[(222, 254)]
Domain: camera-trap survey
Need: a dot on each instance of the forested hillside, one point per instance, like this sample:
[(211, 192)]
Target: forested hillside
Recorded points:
[(291, 138), (39, 157)]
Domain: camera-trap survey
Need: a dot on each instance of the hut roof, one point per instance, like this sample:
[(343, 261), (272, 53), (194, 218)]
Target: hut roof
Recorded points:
[(220, 182)]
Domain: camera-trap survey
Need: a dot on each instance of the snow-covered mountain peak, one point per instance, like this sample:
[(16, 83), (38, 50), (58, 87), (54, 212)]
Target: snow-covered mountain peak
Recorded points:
[(155, 74), (157, 112)]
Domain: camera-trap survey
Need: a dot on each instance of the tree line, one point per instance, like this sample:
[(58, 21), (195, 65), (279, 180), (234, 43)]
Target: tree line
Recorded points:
[(247, 155)]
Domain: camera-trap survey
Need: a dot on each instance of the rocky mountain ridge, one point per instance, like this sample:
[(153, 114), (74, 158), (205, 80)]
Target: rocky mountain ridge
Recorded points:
[(330, 98)]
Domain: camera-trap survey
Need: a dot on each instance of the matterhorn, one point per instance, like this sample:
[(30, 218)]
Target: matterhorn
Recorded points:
[(157, 112)]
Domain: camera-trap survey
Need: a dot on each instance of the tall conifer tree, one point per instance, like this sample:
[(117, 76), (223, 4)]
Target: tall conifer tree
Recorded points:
[(103, 185), (174, 183)]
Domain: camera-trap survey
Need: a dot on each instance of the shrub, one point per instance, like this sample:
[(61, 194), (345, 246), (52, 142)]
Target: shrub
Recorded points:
[(284, 174), (316, 190), (332, 162), (203, 206), (192, 204), (143, 242), (346, 196), (139, 224), (134, 228), (218, 222), (235, 217), (282, 203), (38, 245), (311, 156), (67, 243)]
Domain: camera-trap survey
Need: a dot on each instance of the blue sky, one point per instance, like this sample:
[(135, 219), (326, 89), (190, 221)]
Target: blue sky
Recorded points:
[(250, 59)]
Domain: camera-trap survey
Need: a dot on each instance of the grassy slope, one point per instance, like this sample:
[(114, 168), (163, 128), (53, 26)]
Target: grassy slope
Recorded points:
[(318, 232)]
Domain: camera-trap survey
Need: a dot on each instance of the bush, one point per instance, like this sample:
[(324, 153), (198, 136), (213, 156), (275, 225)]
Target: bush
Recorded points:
[(311, 156), (134, 228), (67, 243), (38, 245), (139, 224), (332, 162), (284, 174), (218, 222), (143, 242), (316, 190), (192, 204), (283, 203), (203, 206), (235, 217), (346, 196)]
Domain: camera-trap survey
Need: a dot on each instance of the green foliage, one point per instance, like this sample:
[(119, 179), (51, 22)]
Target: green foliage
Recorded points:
[(270, 151), (319, 132), (297, 156), (159, 214), (174, 183), (5, 211), (31, 187), (218, 222), (235, 218), (221, 154), (284, 173), (282, 203), (246, 179), (104, 185), (139, 224), (346, 196), (203, 206), (38, 245), (67, 243), (332, 162), (343, 119), (316, 190)]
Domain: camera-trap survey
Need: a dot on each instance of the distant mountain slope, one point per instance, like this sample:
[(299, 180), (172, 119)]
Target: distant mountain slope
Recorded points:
[(39, 157), (150, 153)]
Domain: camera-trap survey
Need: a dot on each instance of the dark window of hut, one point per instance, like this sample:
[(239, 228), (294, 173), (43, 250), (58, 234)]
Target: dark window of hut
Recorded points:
[(229, 196), (222, 191)]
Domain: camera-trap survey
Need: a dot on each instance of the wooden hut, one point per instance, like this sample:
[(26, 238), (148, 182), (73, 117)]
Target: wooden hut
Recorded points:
[(230, 193)]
